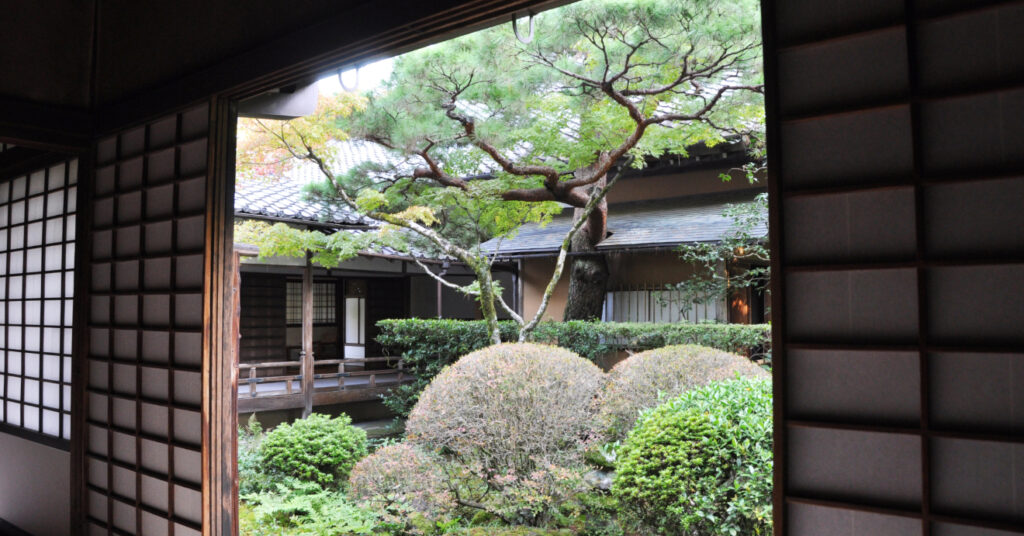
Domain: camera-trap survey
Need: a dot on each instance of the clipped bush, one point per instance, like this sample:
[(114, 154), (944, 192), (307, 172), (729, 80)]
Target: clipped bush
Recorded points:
[(318, 448), (429, 345), (701, 463), (403, 476), (637, 383), (510, 407)]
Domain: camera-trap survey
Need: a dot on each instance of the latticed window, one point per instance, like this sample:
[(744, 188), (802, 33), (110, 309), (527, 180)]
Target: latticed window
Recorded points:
[(37, 257), (324, 302), (659, 305)]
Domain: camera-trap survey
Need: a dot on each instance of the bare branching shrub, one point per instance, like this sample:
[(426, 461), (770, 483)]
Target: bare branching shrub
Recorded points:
[(510, 408), (636, 383), (400, 477)]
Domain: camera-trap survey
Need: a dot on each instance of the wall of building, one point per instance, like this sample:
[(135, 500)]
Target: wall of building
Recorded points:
[(423, 297), (626, 270), (32, 475), (676, 185)]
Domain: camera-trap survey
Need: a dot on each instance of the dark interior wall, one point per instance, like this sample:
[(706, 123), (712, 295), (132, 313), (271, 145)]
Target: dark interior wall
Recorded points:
[(142, 44), (45, 51), (897, 150), (262, 323), (215, 47), (153, 56)]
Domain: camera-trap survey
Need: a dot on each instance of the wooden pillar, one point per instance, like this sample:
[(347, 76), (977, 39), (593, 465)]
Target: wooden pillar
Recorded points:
[(439, 312), (307, 338)]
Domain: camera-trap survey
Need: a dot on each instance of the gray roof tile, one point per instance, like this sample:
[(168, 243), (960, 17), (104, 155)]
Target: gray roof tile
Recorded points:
[(657, 223)]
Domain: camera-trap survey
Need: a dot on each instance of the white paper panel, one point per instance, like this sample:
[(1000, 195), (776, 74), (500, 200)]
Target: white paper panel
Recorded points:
[(800, 20), (874, 146), (995, 144), (843, 73), (808, 520), (975, 218), (35, 212), (854, 465), (842, 227), (977, 390), (149, 328), (949, 48), (976, 304), (862, 306), (978, 479), (949, 529)]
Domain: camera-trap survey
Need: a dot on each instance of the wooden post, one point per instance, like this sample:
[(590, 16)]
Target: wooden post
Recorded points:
[(307, 337)]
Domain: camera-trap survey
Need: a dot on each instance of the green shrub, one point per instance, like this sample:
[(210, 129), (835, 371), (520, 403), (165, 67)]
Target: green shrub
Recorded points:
[(399, 478), (428, 345), (637, 383), (515, 417), (251, 474), (702, 463), (510, 406), (317, 449)]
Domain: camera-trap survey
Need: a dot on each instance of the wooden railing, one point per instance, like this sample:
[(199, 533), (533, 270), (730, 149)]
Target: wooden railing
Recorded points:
[(248, 373)]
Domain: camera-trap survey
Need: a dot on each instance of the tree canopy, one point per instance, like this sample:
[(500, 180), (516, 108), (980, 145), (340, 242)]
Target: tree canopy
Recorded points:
[(486, 132)]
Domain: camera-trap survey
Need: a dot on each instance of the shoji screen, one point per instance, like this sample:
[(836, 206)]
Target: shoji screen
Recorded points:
[(144, 427), (898, 204), (37, 260)]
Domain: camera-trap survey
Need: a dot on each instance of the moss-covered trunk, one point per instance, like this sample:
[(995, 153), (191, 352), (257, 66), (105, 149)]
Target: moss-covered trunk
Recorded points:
[(487, 309), (588, 281), (588, 277)]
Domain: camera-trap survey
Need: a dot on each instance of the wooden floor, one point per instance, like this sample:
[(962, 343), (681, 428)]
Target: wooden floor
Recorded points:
[(278, 385)]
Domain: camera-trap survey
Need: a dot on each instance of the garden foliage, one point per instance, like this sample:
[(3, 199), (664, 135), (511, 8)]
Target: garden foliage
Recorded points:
[(515, 417), (643, 379), (318, 449), (512, 407), (401, 479), (428, 345), (293, 507), (701, 464)]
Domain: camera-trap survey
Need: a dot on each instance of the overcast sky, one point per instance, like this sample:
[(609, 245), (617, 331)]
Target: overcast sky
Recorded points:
[(370, 76)]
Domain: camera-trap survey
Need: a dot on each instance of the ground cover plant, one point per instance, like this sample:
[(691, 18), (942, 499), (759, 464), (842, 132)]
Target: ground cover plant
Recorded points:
[(290, 478), (497, 444)]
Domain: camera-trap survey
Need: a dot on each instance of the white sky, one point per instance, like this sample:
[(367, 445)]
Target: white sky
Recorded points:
[(370, 76)]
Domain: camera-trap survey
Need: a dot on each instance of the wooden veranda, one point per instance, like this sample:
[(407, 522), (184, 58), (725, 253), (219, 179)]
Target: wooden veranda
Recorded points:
[(282, 385), (307, 380)]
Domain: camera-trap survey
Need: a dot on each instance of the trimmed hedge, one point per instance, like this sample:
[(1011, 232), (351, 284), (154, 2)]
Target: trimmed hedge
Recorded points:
[(317, 448), (701, 463), (428, 345), (640, 381), (449, 339)]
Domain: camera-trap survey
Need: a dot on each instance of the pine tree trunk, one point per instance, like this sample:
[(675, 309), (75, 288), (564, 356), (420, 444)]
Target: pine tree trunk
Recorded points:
[(588, 281), (588, 278)]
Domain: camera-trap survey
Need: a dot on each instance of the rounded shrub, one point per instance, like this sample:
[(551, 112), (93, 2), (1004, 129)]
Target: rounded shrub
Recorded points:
[(318, 449), (510, 408), (403, 475), (638, 382), (701, 463)]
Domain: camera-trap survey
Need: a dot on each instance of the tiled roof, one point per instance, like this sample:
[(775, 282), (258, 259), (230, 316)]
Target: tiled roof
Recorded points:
[(659, 223), (285, 199)]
